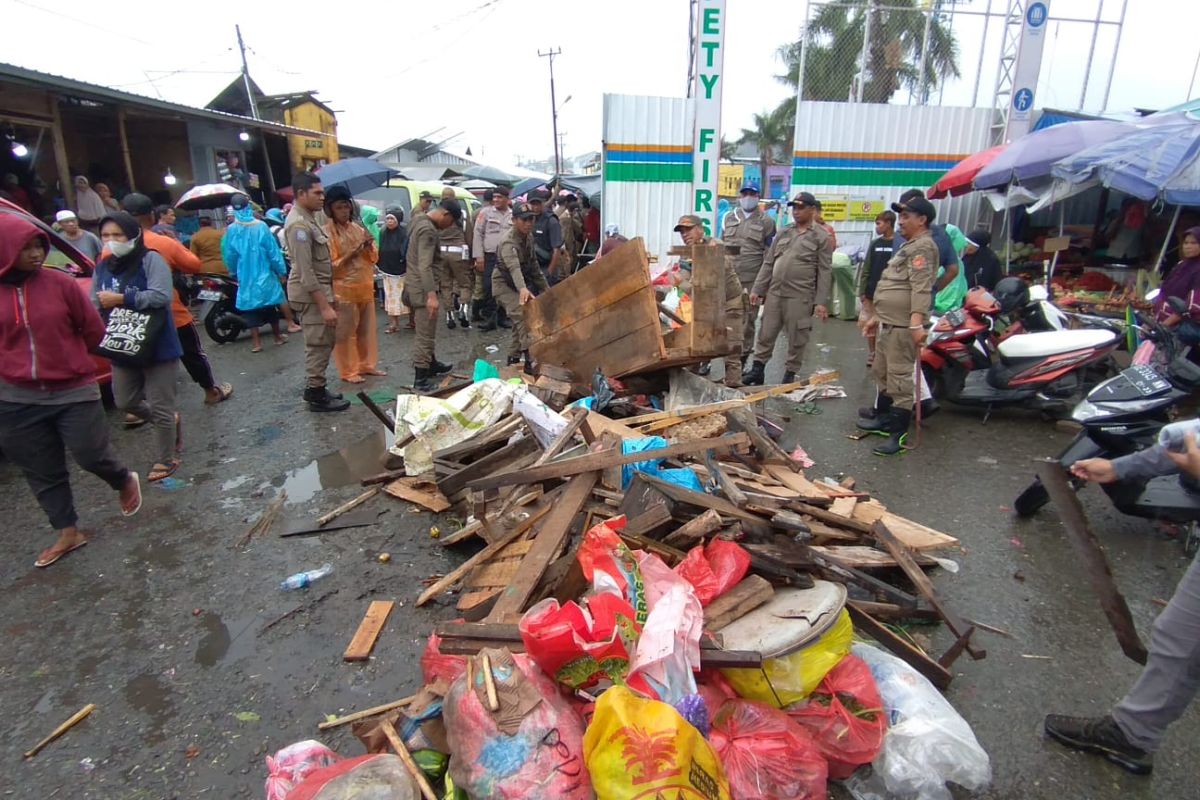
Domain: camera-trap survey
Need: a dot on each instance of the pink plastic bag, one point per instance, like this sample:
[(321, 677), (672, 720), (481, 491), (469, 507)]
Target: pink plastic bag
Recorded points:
[(379, 775), (435, 665), (293, 764), (845, 716), (714, 569), (766, 755)]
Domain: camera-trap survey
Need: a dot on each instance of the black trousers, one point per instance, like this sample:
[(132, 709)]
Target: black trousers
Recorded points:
[(194, 359), (37, 438), (489, 305)]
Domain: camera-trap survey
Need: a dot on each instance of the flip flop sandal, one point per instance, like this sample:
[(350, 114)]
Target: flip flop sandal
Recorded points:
[(282, 340), (134, 421), (354, 379), (44, 562), (378, 373), (256, 349), (226, 391), (168, 470), (138, 507)]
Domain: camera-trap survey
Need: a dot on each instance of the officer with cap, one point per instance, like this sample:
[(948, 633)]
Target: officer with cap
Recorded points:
[(898, 315), (793, 287), (421, 281), (424, 203), (517, 278), (492, 225), (547, 236), (572, 230), (753, 231), (457, 278), (691, 228)]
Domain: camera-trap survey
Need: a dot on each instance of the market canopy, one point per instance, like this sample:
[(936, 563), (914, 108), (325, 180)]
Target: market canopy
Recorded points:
[(960, 177), (1154, 162), (1032, 155)]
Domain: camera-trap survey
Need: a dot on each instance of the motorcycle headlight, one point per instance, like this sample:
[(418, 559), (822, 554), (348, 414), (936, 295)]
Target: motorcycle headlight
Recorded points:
[(1085, 411)]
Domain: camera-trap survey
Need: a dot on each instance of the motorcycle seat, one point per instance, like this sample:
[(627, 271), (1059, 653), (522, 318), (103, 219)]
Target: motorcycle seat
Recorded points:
[(1052, 343)]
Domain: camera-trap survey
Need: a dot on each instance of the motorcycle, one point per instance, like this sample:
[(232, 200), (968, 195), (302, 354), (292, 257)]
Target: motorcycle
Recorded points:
[(218, 297), (1123, 415)]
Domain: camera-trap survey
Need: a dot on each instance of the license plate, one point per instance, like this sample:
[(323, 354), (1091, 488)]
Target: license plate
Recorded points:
[(210, 294)]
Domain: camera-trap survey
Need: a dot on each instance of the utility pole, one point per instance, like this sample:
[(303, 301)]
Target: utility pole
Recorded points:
[(550, 54), (262, 138)]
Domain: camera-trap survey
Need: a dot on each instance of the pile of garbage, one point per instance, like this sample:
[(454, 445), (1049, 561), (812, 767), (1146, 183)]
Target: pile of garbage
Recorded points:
[(667, 608)]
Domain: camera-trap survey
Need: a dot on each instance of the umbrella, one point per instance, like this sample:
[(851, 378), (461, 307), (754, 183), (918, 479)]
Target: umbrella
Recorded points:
[(356, 174), (527, 185), (486, 173), (1032, 155), (1158, 161), (958, 180), (207, 196)]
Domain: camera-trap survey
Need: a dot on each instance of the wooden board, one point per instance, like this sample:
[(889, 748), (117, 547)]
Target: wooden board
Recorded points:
[(750, 593), (421, 491), (708, 298), (525, 450), (938, 675), (597, 424), (864, 557), (844, 507), (363, 643), (796, 482), (917, 536)]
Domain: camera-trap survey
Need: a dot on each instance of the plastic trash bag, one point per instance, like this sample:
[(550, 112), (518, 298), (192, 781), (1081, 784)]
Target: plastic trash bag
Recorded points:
[(602, 393), (791, 678), (578, 645), (435, 664), (928, 743), (437, 423), (667, 653), (545, 423), (637, 747), (845, 716), (484, 370), (544, 758), (293, 764), (380, 775), (649, 466), (714, 569), (766, 755)]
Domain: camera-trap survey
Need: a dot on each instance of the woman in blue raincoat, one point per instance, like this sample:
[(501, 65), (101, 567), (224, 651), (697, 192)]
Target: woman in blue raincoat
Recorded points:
[(254, 259)]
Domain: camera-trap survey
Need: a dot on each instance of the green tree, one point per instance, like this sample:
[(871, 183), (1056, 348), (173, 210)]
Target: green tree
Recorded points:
[(771, 135), (728, 149), (835, 43)]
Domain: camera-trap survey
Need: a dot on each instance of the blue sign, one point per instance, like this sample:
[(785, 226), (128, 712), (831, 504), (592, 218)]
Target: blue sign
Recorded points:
[(1036, 15), (1023, 99)]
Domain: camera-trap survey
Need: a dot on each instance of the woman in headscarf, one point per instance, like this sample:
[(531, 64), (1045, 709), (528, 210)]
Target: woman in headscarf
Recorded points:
[(254, 259), (354, 254), (1183, 281), (49, 400), (393, 252), (954, 287), (980, 264), (130, 275)]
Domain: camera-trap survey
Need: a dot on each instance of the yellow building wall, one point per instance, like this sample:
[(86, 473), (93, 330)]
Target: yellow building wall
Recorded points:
[(308, 152)]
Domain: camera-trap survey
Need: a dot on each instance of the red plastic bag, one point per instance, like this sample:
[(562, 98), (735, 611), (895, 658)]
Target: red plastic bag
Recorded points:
[(845, 716), (379, 775), (715, 569), (766, 755), (578, 646), (435, 665), (291, 765)]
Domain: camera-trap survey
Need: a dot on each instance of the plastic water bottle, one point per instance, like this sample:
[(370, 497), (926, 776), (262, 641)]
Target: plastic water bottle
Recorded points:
[(1172, 436), (302, 579)]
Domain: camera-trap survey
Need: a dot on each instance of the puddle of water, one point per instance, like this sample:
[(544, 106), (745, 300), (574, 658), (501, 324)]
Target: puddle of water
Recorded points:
[(233, 483), (148, 693), (340, 468), (267, 434), (225, 642)]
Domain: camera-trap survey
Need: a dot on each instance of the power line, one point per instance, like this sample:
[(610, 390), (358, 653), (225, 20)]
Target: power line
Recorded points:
[(58, 14)]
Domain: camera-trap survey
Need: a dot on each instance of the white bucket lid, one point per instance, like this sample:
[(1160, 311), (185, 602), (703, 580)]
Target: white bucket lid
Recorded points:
[(788, 621)]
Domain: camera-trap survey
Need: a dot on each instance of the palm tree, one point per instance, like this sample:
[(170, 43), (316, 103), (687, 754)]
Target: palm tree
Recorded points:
[(772, 136), (728, 149), (835, 40)]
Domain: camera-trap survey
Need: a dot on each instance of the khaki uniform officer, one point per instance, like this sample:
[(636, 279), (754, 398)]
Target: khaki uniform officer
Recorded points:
[(900, 309), (456, 278), (793, 286), (424, 261), (517, 278), (572, 232), (752, 231), (691, 228), (310, 289), (493, 222)]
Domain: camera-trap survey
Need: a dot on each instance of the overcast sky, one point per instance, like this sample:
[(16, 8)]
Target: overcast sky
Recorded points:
[(471, 69)]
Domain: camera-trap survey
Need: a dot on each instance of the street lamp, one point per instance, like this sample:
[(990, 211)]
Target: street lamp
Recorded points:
[(19, 150), (169, 179), (244, 136)]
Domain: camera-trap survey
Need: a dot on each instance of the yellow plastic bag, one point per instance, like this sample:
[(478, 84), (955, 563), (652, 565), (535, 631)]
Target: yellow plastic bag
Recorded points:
[(641, 748), (791, 678)]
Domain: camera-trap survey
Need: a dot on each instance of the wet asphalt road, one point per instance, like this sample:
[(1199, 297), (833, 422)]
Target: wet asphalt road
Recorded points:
[(200, 666)]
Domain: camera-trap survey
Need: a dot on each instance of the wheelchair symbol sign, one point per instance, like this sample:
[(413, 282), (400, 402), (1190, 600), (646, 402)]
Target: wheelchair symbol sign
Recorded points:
[(1036, 15), (1023, 99)]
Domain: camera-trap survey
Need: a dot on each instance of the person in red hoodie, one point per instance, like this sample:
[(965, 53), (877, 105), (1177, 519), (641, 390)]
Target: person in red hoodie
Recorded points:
[(49, 400)]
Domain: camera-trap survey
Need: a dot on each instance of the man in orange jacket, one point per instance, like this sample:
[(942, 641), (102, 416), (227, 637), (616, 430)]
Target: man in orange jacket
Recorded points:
[(180, 259)]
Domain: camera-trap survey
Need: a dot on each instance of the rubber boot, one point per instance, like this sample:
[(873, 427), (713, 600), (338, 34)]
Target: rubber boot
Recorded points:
[(464, 321), (899, 419), (423, 380), (502, 319), (929, 407), (878, 422), (476, 316), (789, 377), (321, 400), (450, 323), (490, 321), (438, 368), (755, 375), (528, 363)]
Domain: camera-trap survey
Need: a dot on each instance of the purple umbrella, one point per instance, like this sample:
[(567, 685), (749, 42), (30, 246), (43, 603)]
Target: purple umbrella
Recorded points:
[(1032, 155)]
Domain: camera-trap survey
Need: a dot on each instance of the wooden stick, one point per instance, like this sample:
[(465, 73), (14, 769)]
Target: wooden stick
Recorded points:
[(61, 729), (368, 712), (489, 683), (671, 315), (325, 519), (811, 380), (397, 744), (472, 528), (371, 406), (577, 416)]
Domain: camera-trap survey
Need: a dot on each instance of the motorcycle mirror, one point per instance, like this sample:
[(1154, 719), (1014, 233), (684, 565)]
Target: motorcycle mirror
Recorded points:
[(1153, 294)]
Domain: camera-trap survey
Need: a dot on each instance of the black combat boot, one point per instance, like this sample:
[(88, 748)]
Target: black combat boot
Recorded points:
[(898, 421), (929, 408), (514, 359), (450, 323), (503, 319), (789, 377), (490, 321), (423, 380), (1102, 736), (528, 363), (877, 421), (476, 316), (463, 321), (319, 399), (755, 375), (438, 368)]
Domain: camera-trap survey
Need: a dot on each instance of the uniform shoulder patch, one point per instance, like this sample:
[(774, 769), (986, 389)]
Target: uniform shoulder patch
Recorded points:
[(301, 235), (919, 262)]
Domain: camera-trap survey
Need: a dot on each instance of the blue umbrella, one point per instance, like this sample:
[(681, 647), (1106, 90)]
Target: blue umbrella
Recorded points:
[(1032, 155), (356, 174), (1153, 162)]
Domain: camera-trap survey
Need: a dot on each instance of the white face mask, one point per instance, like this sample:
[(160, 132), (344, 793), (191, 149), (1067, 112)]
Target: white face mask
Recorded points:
[(748, 203), (122, 249)]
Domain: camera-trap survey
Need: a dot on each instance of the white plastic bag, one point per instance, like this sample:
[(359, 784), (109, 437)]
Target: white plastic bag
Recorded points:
[(928, 743), (437, 424)]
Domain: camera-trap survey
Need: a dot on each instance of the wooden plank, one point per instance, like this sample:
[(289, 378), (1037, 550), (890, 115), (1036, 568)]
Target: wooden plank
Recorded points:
[(597, 424), (483, 555), (477, 603), (708, 297), (807, 490), (915, 535), (833, 519), (678, 415), (552, 534), (694, 529), (492, 435), (869, 511), (1092, 559), (844, 507), (493, 575), (650, 522), (477, 527), (766, 447), (863, 557), (363, 643), (568, 345), (411, 489), (938, 675), (731, 492), (489, 464), (750, 593), (815, 379), (603, 460), (751, 522)]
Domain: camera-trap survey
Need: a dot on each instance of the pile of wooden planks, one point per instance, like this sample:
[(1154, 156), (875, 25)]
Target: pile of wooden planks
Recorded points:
[(531, 505)]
